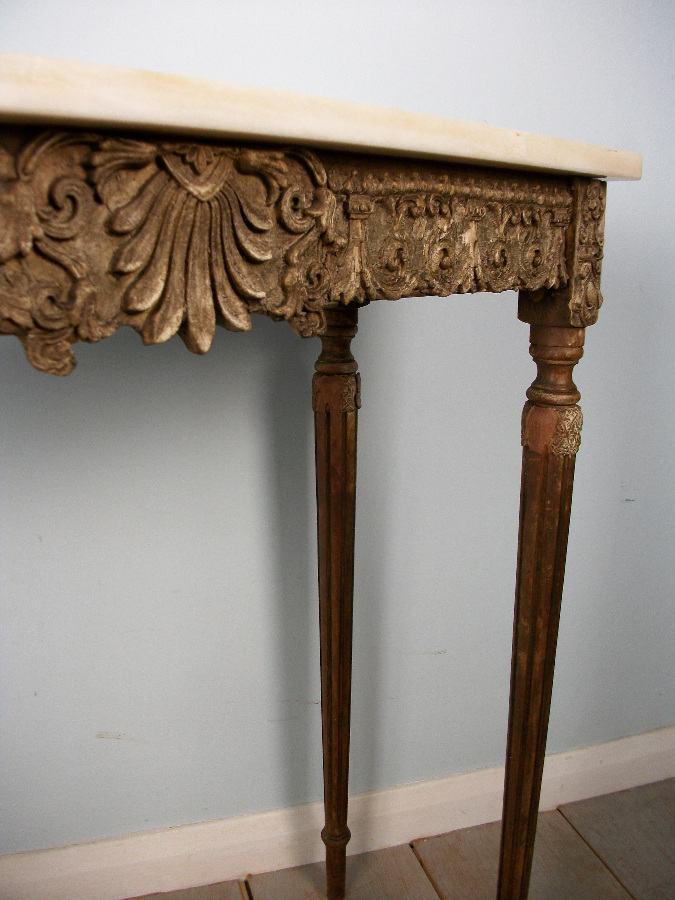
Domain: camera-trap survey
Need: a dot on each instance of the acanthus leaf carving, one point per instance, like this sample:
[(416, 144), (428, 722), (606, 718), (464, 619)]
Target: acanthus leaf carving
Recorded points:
[(566, 438), (306, 281)]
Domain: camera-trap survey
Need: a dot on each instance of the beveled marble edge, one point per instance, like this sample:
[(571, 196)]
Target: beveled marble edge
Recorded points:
[(50, 91)]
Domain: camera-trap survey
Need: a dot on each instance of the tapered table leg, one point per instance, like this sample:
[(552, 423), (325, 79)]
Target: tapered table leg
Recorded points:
[(335, 401), (551, 433)]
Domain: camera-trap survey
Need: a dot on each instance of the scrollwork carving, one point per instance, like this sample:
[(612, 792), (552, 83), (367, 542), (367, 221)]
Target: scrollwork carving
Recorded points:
[(43, 214), (586, 298), (177, 237)]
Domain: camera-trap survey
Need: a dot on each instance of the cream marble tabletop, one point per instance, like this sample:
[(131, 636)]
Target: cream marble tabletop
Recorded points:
[(36, 90)]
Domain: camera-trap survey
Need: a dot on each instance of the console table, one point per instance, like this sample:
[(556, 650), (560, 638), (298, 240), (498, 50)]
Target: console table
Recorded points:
[(174, 205)]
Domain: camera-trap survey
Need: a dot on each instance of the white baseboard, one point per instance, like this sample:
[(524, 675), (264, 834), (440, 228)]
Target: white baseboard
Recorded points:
[(210, 852)]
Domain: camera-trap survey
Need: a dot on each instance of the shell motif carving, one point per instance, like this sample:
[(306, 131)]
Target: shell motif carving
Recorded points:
[(200, 229), (173, 237), (192, 239)]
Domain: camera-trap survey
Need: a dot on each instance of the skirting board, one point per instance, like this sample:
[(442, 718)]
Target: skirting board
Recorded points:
[(210, 852)]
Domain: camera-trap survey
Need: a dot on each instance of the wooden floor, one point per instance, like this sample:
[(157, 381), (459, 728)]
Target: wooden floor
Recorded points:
[(615, 847)]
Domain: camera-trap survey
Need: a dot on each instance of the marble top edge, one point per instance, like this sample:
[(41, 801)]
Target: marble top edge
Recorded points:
[(50, 91)]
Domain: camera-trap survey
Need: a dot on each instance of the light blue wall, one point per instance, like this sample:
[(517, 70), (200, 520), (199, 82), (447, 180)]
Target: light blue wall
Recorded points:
[(159, 636)]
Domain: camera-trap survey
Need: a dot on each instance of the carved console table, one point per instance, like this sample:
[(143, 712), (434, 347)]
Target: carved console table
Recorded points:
[(173, 206)]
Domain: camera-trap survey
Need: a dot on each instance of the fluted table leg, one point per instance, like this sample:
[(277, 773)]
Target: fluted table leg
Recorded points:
[(336, 400), (551, 433)]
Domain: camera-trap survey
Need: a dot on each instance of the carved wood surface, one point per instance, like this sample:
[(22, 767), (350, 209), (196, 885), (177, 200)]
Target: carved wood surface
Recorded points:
[(100, 231)]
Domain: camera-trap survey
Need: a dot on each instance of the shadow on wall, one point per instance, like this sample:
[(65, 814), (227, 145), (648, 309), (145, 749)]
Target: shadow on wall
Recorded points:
[(190, 453)]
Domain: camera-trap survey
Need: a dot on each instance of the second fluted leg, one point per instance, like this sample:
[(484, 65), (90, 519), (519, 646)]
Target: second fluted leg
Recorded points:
[(551, 433), (336, 400)]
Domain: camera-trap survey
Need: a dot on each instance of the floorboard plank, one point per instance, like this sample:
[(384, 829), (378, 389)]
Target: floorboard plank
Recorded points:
[(633, 831), (392, 874), (463, 864), (230, 890)]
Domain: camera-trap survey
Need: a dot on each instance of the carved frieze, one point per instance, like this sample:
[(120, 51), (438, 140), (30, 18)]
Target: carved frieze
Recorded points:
[(413, 234), (176, 237)]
